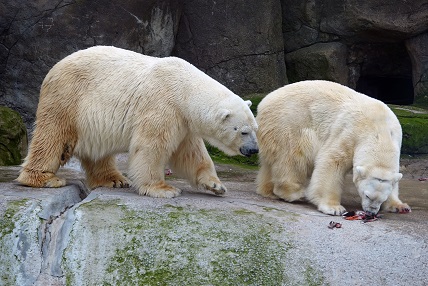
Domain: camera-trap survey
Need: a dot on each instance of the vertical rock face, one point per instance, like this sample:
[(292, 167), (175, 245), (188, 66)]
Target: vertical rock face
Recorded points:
[(238, 43), (34, 35), (375, 34), (418, 50), (377, 47)]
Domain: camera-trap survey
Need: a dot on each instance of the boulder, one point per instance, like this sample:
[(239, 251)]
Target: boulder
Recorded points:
[(239, 44), (69, 236), (13, 137), (319, 61)]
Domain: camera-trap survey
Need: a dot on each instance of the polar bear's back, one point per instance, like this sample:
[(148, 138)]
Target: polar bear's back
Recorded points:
[(301, 118), (99, 91), (311, 103)]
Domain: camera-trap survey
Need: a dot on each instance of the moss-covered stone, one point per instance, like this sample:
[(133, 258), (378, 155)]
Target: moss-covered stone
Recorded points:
[(7, 226), (7, 221), (13, 137), (176, 245)]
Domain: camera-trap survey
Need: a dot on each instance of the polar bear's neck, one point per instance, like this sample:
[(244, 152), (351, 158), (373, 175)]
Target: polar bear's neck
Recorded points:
[(379, 150)]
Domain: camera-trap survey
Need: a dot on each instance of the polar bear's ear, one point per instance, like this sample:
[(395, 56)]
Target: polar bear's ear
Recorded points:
[(223, 114), (361, 171), (397, 177), (249, 103)]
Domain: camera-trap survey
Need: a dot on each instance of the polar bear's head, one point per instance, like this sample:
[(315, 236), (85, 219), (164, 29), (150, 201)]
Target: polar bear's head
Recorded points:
[(235, 131), (374, 186)]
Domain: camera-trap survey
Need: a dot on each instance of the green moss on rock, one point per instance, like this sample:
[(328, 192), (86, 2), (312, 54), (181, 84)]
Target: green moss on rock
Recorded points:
[(7, 221), (13, 137), (197, 247), (176, 245)]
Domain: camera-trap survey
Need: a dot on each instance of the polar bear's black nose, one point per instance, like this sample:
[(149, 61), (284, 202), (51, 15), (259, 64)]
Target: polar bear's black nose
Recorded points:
[(248, 151)]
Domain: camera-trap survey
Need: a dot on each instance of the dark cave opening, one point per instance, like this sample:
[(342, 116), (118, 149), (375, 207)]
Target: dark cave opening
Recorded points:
[(391, 90)]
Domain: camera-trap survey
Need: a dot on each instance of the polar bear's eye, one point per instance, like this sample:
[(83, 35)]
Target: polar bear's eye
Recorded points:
[(235, 128)]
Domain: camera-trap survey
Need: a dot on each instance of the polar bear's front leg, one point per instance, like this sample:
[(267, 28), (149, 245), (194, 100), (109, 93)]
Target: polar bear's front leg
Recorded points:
[(394, 204), (325, 187), (264, 182), (147, 172), (192, 161)]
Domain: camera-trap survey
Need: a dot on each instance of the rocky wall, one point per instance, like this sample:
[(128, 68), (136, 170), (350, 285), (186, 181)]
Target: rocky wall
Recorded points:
[(377, 47)]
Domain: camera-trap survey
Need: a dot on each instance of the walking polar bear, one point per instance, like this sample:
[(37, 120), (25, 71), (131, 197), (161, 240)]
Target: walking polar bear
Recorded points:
[(311, 133), (101, 101)]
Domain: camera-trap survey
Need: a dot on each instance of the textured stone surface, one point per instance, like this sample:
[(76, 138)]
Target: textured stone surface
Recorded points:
[(375, 34), (66, 236), (237, 43), (240, 43), (321, 60), (13, 137), (418, 50)]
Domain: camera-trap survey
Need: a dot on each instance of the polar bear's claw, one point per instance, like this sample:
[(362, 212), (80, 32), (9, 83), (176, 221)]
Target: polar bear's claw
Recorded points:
[(120, 184), (331, 209), (403, 209), (216, 188)]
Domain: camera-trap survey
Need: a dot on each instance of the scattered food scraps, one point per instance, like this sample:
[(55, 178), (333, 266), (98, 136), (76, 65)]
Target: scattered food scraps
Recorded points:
[(423, 179), (361, 215), (334, 224)]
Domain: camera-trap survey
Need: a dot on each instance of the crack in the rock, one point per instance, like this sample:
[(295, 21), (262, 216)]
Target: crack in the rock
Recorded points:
[(53, 236), (267, 53)]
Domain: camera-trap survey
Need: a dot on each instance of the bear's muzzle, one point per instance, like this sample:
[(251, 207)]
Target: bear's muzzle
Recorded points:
[(248, 151)]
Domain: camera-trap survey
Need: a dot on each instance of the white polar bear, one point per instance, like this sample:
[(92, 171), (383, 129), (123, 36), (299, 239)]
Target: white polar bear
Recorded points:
[(101, 101), (311, 133)]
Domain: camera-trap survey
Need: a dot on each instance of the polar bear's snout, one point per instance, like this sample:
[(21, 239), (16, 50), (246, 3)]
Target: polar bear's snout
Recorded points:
[(249, 148), (248, 151)]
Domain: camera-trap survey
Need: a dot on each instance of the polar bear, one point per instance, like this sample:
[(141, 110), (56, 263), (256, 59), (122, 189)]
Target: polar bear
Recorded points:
[(311, 133), (104, 100)]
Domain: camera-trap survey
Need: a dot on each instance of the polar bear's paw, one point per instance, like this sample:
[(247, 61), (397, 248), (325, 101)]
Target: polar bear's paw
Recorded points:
[(39, 179), (112, 181), (331, 209), (161, 190), (216, 187), (401, 208), (55, 182)]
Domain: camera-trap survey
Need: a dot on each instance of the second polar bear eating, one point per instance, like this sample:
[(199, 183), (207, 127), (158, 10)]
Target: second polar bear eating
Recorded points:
[(101, 101), (312, 133)]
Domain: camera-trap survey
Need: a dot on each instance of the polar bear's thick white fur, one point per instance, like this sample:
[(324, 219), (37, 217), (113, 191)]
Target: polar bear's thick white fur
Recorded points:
[(311, 133), (101, 101)]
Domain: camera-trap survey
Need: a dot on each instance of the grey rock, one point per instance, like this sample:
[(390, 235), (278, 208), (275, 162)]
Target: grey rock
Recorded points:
[(66, 236), (239, 43), (321, 60), (418, 51)]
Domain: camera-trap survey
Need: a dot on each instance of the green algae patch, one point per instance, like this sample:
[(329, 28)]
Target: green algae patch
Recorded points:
[(7, 220), (7, 225), (174, 245), (198, 247)]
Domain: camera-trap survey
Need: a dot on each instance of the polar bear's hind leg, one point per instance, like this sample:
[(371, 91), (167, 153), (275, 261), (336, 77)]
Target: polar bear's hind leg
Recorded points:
[(103, 173)]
